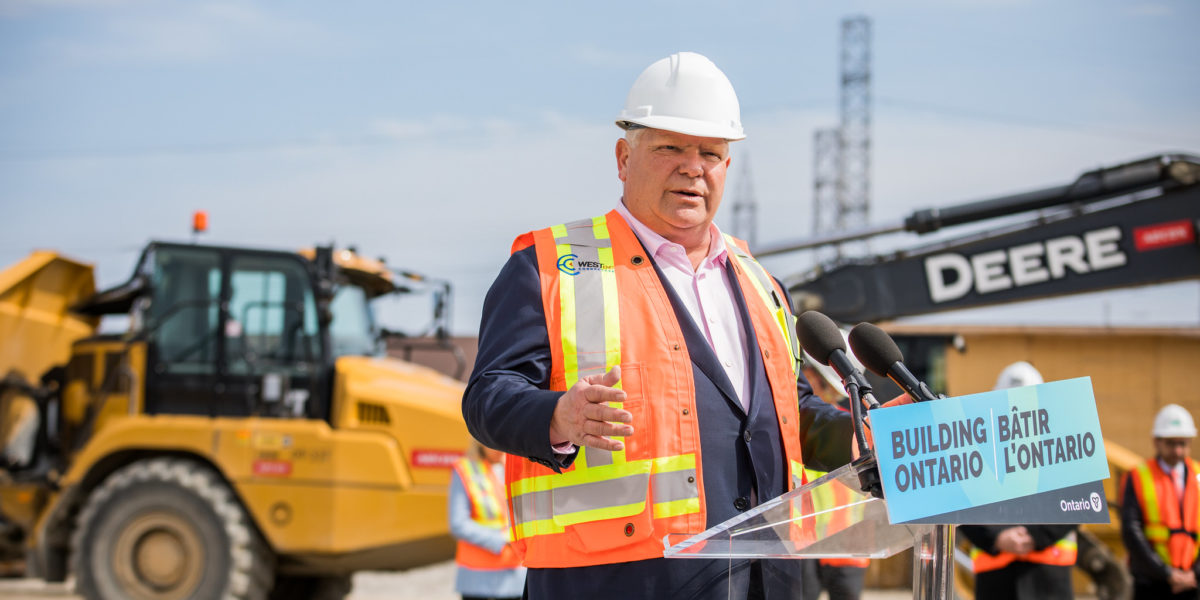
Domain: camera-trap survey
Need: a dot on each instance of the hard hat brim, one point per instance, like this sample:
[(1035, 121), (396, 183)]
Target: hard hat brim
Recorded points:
[(731, 133)]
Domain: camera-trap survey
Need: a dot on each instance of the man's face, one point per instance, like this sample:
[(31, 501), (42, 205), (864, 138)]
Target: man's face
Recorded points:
[(673, 182), (1173, 450)]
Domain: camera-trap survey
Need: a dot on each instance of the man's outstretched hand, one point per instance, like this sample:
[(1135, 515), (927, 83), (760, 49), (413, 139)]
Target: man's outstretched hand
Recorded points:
[(584, 418)]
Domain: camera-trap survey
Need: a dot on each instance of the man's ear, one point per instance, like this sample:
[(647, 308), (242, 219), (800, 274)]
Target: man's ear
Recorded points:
[(623, 150)]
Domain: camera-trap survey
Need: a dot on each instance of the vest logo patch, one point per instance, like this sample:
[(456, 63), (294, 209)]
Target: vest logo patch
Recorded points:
[(571, 265)]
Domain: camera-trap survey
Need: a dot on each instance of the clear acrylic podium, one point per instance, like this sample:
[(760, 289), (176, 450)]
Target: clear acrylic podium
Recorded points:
[(828, 518)]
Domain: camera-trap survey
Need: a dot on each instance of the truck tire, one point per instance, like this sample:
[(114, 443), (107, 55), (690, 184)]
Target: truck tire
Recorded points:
[(167, 529), (290, 587)]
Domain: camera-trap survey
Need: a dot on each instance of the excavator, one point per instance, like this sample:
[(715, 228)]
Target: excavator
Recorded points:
[(243, 436), (1129, 225)]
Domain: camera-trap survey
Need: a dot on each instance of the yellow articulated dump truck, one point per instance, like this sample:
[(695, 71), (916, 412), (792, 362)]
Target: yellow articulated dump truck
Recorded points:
[(245, 437)]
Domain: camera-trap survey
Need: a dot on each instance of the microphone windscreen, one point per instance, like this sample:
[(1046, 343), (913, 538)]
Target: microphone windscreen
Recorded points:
[(819, 335), (875, 348)]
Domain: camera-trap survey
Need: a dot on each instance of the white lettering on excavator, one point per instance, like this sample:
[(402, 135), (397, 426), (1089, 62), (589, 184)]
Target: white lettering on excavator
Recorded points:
[(951, 276)]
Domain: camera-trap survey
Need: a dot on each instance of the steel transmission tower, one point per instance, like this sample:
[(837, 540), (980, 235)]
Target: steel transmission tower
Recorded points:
[(842, 156), (745, 206)]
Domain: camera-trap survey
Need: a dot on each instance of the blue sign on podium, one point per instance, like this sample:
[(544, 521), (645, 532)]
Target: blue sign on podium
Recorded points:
[(956, 456)]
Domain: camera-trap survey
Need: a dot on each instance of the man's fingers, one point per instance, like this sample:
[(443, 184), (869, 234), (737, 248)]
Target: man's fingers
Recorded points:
[(601, 443), (597, 394), (608, 379), (604, 429)]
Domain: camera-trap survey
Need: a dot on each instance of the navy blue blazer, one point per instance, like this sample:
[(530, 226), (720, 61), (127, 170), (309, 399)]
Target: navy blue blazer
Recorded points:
[(507, 406)]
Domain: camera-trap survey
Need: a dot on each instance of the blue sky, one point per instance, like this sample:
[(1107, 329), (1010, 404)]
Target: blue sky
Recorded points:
[(433, 133)]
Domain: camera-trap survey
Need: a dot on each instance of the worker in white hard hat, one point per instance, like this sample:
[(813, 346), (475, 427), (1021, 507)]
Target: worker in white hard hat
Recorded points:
[(1160, 512), (641, 369), (1023, 562)]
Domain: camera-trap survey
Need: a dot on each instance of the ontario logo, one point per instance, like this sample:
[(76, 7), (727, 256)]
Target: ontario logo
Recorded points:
[(1082, 504), (571, 265)]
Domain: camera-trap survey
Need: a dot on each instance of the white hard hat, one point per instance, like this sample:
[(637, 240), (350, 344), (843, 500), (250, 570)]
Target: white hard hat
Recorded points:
[(827, 373), (1018, 374), (685, 93), (1174, 421)]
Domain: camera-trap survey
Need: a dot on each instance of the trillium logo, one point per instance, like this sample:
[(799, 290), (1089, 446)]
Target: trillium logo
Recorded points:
[(1096, 506)]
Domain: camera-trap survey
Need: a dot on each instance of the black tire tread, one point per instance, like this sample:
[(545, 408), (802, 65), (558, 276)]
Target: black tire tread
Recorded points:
[(251, 561)]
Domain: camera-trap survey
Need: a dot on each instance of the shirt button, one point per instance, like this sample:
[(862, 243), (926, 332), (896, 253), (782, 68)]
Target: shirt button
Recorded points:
[(746, 435), (741, 503)]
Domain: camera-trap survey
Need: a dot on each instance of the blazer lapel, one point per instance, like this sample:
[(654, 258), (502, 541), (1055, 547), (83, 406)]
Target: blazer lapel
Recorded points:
[(702, 354)]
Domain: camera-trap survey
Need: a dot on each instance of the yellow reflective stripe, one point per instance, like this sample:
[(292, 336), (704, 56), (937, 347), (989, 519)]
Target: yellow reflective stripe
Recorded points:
[(542, 483), (784, 320), (1156, 533), (1149, 497), (676, 508), (600, 227), (542, 527), (797, 468), (662, 464), (547, 483), (600, 514), (568, 320)]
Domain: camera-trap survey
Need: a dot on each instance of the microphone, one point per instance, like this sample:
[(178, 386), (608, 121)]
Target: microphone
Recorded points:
[(821, 338), (880, 354)]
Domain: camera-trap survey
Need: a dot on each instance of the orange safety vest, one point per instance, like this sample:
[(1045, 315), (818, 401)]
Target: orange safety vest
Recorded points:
[(1061, 554), (829, 520), (1170, 524), (605, 306), (486, 494)]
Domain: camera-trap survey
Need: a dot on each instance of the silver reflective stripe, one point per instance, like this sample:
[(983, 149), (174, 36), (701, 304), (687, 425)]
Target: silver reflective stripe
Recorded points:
[(589, 313), (590, 344), (620, 491), (580, 233), (601, 494), (532, 506), (597, 457), (674, 485)]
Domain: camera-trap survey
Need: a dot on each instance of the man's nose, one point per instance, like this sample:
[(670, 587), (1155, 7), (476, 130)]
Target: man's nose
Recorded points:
[(691, 164)]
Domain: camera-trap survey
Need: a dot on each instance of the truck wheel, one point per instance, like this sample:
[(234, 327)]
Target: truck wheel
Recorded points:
[(167, 529), (290, 587)]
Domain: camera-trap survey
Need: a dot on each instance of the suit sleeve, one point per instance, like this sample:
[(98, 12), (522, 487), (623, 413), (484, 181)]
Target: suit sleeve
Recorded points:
[(507, 404), (826, 432)]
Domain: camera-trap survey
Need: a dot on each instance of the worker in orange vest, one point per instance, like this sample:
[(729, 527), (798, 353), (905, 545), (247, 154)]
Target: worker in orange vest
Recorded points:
[(1022, 561), (843, 578), (488, 566), (1160, 508)]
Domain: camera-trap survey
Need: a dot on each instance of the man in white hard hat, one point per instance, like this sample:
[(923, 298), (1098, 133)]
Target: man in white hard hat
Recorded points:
[(1160, 512), (640, 368), (1022, 562)]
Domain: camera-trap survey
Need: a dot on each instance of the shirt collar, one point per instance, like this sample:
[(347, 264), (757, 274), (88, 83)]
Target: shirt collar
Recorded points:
[(717, 251), (1176, 470)]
